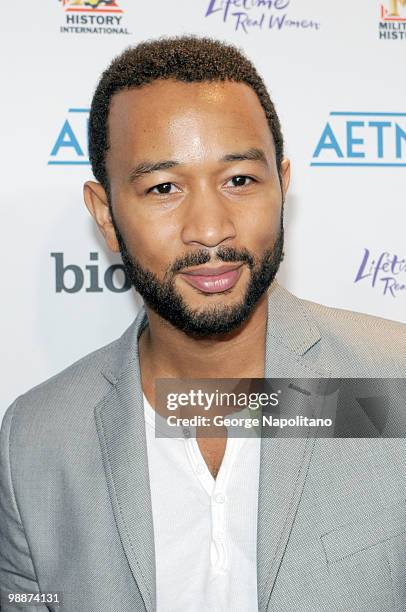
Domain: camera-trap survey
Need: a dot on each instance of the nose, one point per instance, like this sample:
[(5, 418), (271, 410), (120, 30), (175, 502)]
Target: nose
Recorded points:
[(208, 219)]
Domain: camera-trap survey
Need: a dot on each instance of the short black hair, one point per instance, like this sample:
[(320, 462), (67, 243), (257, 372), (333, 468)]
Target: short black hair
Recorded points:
[(184, 58)]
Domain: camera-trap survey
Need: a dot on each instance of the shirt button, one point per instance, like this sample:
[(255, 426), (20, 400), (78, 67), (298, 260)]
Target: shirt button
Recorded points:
[(219, 498), (186, 432), (219, 536), (200, 469)]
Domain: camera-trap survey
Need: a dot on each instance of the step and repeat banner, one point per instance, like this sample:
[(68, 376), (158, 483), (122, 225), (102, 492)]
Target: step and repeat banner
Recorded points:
[(335, 71)]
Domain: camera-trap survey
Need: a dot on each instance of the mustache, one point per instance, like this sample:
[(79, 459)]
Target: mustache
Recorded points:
[(203, 256)]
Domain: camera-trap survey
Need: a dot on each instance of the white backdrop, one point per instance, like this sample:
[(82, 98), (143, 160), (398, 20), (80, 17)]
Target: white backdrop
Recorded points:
[(335, 71)]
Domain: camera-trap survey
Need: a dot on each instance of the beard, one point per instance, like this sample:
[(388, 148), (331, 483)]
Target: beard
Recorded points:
[(164, 299)]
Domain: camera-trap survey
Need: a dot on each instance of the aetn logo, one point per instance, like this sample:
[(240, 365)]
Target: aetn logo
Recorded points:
[(362, 139)]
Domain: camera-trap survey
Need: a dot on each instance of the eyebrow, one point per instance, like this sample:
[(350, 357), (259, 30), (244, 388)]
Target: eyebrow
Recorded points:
[(147, 167)]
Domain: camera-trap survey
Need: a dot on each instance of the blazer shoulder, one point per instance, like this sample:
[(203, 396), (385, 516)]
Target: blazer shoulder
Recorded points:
[(377, 343), (342, 315), (82, 372)]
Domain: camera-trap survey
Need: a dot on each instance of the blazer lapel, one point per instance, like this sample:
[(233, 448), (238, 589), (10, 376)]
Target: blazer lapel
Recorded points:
[(121, 429), (284, 461)]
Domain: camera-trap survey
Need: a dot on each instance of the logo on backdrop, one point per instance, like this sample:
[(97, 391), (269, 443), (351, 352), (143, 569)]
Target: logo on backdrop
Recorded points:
[(93, 17), (362, 139), (72, 278), (71, 143), (385, 272), (249, 16), (392, 20), (100, 6)]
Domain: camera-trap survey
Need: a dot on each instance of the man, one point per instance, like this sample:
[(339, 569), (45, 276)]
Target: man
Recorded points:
[(187, 151)]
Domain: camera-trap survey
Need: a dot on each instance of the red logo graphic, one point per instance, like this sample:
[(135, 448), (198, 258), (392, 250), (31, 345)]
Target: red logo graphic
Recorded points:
[(91, 6), (394, 11)]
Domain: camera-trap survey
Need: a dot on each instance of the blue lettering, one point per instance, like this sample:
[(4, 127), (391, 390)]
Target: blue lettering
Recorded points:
[(360, 273), (391, 285), (227, 4), (396, 262), (224, 6), (400, 135), (379, 133), (328, 141), (244, 22), (67, 139), (211, 9), (351, 141), (277, 21), (379, 266)]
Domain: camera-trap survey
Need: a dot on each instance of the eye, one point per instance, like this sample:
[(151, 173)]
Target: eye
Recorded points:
[(239, 181), (162, 189)]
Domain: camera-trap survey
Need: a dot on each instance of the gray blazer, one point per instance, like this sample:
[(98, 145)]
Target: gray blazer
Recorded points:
[(75, 509)]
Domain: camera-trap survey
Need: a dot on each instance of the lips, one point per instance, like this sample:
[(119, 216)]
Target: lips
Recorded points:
[(213, 280)]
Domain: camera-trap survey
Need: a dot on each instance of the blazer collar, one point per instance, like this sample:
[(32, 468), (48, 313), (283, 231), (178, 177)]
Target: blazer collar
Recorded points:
[(289, 322), (125, 349), (289, 326)]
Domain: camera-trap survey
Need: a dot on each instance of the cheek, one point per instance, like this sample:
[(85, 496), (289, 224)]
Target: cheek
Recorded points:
[(259, 229), (151, 240)]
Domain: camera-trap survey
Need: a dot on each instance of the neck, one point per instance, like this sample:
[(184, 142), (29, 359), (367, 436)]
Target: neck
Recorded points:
[(166, 352)]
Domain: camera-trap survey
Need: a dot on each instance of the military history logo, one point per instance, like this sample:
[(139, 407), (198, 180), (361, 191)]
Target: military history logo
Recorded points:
[(392, 24)]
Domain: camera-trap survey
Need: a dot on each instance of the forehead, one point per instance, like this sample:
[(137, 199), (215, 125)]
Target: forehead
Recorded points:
[(167, 116)]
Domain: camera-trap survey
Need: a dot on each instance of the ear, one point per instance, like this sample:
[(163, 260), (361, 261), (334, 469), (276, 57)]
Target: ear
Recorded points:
[(97, 203), (285, 175)]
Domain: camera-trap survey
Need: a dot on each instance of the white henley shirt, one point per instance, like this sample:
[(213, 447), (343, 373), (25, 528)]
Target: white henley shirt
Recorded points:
[(205, 529)]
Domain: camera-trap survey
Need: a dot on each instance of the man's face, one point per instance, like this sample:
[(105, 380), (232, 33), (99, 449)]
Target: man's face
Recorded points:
[(197, 200)]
